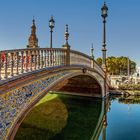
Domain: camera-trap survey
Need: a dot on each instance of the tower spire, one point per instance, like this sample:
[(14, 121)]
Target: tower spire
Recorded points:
[(33, 40)]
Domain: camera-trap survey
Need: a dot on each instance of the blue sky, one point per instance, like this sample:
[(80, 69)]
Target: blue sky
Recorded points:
[(85, 25)]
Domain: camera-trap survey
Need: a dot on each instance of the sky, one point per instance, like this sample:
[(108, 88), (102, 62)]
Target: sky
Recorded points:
[(85, 25)]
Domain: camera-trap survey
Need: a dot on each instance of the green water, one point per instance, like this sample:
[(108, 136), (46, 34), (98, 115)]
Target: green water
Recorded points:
[(61, 117)]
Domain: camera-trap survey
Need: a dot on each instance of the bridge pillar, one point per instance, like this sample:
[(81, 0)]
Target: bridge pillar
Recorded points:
[(67, 60), (67, 46)]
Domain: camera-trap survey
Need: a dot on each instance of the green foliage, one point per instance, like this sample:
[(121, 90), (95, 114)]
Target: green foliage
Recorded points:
[(129, 87), (99, 61), (118, 65)]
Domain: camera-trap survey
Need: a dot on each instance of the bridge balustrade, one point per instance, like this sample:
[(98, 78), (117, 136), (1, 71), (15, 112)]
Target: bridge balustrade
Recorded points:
[(78, 58), (15, 62), (98, 68), (19, 61)]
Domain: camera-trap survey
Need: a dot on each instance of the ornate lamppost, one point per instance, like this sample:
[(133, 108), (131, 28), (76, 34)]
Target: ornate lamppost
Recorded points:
[(104, 10), (51, 25)]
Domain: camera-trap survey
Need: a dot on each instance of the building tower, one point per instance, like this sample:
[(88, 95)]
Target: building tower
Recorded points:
[(33, 40)]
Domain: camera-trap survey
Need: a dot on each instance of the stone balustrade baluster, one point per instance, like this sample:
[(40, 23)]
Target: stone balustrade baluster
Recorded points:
[(5, 66), (52, 57), (59, 57), (62, 57), (55, 58), (65, 57), (61, 61), (35, 57), (63, 51), (26, 63), (17, 62), (47, 58), (64, 60), (22, 60), (31, 60), (12, 64), (45, 64), (38, 61), (42, 62)]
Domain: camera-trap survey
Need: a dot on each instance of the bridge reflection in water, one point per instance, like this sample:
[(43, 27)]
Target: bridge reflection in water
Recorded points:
[(59, 116)]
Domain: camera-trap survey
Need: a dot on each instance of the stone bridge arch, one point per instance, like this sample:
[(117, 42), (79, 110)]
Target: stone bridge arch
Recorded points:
[(82, 84), (18, 98)]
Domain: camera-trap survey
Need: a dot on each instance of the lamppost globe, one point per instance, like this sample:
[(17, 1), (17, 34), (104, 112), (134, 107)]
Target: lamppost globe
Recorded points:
[(104, 10), (51, 23)]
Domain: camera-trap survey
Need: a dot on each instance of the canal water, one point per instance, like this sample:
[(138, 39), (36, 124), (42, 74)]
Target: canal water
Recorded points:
[(65, 117), (123, 119)]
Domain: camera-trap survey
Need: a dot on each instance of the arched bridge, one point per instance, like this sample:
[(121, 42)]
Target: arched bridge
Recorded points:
[(26, 75)]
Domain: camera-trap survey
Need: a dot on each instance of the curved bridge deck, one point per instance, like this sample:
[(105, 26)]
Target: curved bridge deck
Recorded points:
[(27, 75)]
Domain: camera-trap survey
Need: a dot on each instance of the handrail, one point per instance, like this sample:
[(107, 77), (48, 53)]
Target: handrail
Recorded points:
[(18, 61), (28, 49), (85, 59)]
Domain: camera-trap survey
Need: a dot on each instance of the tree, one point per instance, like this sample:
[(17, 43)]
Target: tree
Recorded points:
[(99, 61), (118, 65)]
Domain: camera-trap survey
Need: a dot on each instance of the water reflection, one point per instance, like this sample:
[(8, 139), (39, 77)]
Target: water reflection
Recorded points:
[(64, 117), (122, 119)]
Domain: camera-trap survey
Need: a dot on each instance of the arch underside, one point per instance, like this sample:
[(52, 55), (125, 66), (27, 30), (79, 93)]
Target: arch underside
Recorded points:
[(17, 102), (83, 85)]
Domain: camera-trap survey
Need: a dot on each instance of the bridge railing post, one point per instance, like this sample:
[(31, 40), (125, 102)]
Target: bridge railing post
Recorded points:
[(45, 59), (67, 58)]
